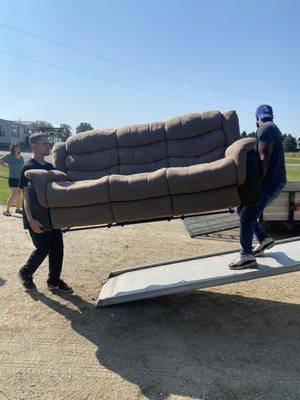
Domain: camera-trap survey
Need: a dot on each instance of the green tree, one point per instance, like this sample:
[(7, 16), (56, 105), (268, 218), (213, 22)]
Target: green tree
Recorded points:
[(65, 132), (43, 124), (252, 134), (84, 126), (290, 144), (244, 134)]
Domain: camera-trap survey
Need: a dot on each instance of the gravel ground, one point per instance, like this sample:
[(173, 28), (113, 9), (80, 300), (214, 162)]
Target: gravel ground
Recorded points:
[(238, 341)]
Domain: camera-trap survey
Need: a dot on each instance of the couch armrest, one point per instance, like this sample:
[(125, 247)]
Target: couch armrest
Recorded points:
[(41, 179), (238, 152)]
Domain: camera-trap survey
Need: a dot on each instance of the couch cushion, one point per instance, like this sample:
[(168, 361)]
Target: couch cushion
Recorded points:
[(63, 217), (93, 161), (202, 177), (81, 193), (139, 135), (135, 210), (85, 175), (209, 200), (138, 186), (59, 154), (143, 154), (196, 146), (91, 141), (214, 155), (140, 168), (231, 127), (194, 124)]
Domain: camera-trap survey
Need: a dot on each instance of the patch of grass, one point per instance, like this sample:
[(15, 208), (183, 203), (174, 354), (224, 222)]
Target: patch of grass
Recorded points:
[(292, 155), (294, 160), (4, 189), (293, 173)]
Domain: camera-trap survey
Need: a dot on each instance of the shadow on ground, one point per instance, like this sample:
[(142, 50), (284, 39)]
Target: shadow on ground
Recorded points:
[(203, 345)]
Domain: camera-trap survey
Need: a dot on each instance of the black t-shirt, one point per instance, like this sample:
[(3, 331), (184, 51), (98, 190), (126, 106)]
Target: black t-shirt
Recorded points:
[(31, 164), (270, 133)]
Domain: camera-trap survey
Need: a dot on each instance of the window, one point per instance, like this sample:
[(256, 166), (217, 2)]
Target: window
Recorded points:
[(2, 131), (15, 131)]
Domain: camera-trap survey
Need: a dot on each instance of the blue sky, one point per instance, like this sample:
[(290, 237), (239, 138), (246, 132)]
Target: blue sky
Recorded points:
[(249, 48)]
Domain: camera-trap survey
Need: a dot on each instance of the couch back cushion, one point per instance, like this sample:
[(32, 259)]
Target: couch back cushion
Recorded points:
[(182, 141)]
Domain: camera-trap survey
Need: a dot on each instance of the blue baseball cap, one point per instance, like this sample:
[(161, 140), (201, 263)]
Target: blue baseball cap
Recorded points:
[(264, 111)]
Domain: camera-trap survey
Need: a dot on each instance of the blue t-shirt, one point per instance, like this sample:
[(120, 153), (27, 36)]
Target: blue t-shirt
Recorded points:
[(276, 174), (15, 165)]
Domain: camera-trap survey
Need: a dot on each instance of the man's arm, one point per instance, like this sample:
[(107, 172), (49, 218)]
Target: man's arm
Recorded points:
[(265, 152), (35, 225)]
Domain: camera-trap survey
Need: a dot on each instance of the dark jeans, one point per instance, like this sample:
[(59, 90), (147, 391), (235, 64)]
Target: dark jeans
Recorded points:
[(47, 244), (249, 216)]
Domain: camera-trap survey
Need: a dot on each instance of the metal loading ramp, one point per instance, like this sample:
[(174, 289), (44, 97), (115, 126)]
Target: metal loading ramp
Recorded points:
[(193, 273), (206, 224)]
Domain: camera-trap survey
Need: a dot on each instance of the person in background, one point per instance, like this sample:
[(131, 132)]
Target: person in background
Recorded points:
[(273, 179), (14, 162), (47, 243)]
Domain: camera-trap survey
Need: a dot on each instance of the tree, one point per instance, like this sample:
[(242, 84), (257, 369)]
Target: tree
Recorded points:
[(244, 134), (252, 134), (65, 132), (84, 126), (290, 144), (43, 124)]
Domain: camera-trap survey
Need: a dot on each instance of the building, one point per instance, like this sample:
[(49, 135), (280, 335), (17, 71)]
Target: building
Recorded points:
[(12, 131), (19, 131)]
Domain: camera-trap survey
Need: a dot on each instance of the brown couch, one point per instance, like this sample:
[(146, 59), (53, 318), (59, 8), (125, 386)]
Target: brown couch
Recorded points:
[(188, 164)]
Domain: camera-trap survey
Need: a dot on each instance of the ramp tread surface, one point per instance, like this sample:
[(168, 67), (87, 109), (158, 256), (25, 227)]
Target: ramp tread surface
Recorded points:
[(184, 275), (205, 224)]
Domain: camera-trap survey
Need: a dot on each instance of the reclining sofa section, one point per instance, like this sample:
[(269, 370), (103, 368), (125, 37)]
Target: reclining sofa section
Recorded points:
[(189, 164)]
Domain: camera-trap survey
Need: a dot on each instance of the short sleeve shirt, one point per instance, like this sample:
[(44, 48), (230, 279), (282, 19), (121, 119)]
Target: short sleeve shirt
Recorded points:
[(31, 164), (15, 165), (266, 134)]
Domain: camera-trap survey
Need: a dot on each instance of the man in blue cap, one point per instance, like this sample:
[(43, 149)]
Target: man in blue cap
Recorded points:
[(273, 179)]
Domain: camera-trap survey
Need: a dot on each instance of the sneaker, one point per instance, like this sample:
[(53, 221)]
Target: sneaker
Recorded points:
[(7, 213), (18, 211), (59, 285), (244, 261), (27, 281), (267, 243)]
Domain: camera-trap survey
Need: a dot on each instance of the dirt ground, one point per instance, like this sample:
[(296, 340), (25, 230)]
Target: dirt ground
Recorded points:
[(238, 341)]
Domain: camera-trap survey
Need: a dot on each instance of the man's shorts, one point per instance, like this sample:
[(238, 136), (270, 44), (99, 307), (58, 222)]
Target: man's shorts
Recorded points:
[(13, 182)]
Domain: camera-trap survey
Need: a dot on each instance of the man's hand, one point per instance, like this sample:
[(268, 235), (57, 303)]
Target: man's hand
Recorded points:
[(36, 226)]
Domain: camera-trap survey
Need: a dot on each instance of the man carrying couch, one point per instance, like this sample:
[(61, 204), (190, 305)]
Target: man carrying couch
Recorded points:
[(273, 178), (48, 243)]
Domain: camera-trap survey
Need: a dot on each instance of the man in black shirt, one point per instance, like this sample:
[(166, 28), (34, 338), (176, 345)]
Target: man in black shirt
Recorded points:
[(46, 243), (273, 180)]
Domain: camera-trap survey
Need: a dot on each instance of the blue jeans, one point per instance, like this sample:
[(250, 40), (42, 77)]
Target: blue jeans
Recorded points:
[(249, 216)]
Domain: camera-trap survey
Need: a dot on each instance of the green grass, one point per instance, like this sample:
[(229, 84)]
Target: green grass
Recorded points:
[(293, 173), (4, 189), (292, 160), (293, 155)]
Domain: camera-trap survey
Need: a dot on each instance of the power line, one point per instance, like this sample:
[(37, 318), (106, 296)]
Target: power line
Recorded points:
[(95, 77), (113, 82), (136, 67)]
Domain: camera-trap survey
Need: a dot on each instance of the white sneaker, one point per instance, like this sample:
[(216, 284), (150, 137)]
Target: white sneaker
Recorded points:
[(267, 243), (244, 261)]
